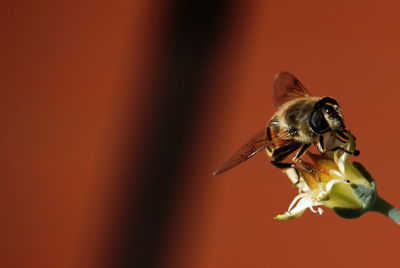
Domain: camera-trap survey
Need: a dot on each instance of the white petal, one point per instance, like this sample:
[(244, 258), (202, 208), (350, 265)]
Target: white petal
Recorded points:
[(304, 201), (302, 205), (299, 196), (292, 174)]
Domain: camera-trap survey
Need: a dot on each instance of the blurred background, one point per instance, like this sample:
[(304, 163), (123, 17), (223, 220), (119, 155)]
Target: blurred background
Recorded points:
[(115, 114)]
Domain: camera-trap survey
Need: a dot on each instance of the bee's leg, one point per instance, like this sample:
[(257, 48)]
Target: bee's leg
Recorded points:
[(341, 134), (355, 153), (281, 153), (298, 162), (301, 152), (281, 165), (321, 144)]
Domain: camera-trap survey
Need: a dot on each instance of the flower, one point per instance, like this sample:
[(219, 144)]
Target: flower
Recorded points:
[(331, 180)]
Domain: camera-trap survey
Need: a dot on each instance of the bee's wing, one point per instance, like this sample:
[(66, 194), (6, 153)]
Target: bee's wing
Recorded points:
[(257, 143), (288, 87)]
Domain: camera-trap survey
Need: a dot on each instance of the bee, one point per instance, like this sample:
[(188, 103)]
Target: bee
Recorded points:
[(302, 120)]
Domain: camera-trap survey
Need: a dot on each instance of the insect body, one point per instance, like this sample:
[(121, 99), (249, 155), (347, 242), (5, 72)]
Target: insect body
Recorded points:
[(301, 120)]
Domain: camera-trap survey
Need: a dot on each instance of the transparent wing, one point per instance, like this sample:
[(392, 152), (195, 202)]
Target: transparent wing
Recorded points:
[(257, 143), (288, 87)]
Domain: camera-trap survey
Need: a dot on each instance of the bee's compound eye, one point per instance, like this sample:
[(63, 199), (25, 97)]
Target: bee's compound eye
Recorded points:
[(329, 109), (318, 123)]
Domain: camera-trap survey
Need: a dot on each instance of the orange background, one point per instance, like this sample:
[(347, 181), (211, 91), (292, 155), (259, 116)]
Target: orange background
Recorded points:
[(68, 70)]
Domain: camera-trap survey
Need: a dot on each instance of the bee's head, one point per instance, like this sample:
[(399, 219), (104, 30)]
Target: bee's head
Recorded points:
[(327, 116)]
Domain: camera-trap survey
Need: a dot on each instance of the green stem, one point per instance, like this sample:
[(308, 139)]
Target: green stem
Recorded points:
[(386, 209)]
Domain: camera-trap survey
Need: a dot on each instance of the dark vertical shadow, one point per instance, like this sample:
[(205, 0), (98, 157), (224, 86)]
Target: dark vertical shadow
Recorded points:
[(178, 94)]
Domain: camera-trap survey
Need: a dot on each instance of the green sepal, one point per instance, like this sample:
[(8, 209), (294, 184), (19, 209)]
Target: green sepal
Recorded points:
[(348, 213), (364, 172), (366, 195)]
